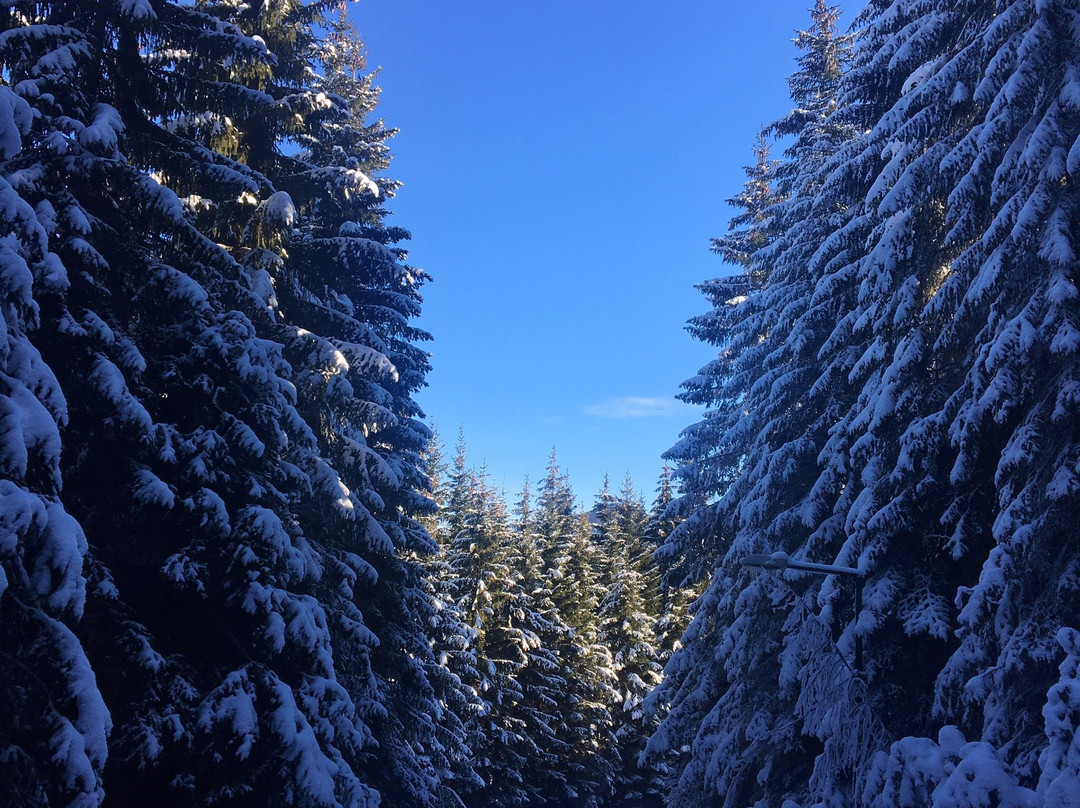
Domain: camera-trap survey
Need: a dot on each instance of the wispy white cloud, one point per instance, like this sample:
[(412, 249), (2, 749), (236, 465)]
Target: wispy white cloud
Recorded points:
[(636, 407)]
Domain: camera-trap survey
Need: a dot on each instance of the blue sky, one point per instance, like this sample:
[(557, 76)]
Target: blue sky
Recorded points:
[(564, 166)]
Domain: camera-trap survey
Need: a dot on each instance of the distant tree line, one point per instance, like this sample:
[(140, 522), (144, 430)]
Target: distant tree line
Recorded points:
[(565, 627)]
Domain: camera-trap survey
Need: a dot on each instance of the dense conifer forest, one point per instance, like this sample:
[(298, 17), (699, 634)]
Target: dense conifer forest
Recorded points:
[(240, 567)]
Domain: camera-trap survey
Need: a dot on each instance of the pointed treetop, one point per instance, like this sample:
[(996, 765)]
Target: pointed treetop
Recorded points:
[(748, 230)]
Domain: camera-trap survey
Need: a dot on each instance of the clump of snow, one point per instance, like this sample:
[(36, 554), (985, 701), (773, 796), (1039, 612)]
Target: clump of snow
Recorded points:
[(103, 134), (138, 9), (55, 567), (152, 490), (278, 209), (1059, 785), (232, 704), (952, 773), (15, 120)]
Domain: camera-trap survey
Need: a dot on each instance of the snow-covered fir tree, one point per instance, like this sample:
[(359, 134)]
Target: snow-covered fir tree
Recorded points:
[(660, 522), (255, 613), (585, 723), (677, 592), (452, 641), (815, 128), (749, 229), (502, 741), (53, 720), (347, 300), (544, 680), (899, 398), (501, 590), (177, 413), (436, 468), (628, 629)]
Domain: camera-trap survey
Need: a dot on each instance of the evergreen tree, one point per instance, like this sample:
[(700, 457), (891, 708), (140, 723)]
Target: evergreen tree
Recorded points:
[(254, 595), (543, 680), (345, 299), (459, 508), (503, 742), (568, 550), (775, 202), (436, 470), (628, 630), (452, 644), (816, 129), (177, 418), (53, 721), (905, 413), (661, 523), (584, 722), (677, 592), (772, 399), (602, 516), (500, 585), (751, 228)]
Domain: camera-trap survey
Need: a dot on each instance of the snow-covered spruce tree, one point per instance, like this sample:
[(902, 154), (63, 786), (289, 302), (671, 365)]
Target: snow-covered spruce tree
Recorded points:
[(676, 592), (436, 468), (913, 415), (706, 463), (993, 356), (635, 521), (732, 727), (627, 629), (815, 129), (502, 735), (630, 587), (53, 721), (175, 411), (226, 603), (451, 640), (543, 680), (660, 522), (345, 300), (584, 721), (462, 516), (749, 229), (711, 451)]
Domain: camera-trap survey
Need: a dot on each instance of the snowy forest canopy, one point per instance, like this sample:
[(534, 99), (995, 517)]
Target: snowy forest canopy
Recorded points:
[(237, 569)]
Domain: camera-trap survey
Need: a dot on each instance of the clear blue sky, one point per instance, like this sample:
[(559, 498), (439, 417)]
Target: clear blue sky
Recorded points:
[(565, 165)]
